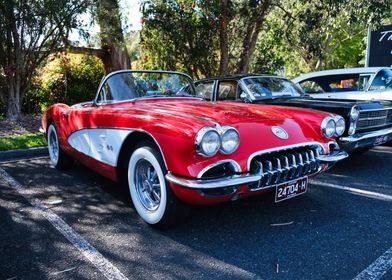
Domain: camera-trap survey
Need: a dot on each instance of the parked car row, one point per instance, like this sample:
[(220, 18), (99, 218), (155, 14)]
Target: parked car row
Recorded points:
[(173, 143)]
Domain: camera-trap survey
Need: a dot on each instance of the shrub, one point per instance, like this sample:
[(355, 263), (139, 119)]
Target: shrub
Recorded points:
[(68, 79)]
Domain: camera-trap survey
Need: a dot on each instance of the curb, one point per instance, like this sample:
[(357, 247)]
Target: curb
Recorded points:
[(23, 153)]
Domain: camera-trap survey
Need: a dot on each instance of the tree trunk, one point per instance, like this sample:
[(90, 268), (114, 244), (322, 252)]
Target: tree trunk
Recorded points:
[(112, 39), (224, 40), (252, 32), (13, 104)]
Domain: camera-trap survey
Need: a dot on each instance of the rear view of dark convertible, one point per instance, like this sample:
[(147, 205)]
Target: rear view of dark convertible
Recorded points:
[(368, 123)]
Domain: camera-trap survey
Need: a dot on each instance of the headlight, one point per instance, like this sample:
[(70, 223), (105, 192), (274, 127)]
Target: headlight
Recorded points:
[(207, 141), (230, 140), (328, 127), (340, 126), (354, 113)]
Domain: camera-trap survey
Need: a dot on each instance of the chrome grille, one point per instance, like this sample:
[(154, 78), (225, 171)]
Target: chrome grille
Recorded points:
[(374, 119), (286, 165)]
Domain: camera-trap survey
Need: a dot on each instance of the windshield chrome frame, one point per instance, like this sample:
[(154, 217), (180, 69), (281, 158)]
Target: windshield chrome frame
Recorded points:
[(105, 78)]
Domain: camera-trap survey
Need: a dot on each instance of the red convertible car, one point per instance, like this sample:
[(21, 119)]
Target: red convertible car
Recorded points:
[(148, 129)]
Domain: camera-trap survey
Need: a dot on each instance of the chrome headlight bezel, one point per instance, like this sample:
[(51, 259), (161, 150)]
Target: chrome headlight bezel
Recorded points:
[(201, 136), (225, 130), (326, 124), (339, 121), (354, 116)]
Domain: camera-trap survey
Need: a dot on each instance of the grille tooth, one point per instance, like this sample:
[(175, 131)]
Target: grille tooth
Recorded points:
[(286, 167), (278, 170), (306, 163), (269, 173), (293, 166), (313, 161), (300, 164)]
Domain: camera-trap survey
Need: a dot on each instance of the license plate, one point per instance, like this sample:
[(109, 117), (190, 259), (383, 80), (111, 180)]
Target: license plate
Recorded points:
[(381, 140), (291, 189)]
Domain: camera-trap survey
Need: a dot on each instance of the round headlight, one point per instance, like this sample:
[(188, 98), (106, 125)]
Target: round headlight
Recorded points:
[(354, 113), (328, 127), (207, 141), (340, 126), (230, 140)]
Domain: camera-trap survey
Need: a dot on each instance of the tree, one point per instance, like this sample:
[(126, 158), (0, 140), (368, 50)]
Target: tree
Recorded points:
[(115, 56), (316, 29), (203, 38), (29, 32)]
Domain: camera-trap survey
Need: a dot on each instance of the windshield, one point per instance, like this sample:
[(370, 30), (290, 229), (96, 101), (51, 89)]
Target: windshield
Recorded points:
[(137, 84), (270, 87)]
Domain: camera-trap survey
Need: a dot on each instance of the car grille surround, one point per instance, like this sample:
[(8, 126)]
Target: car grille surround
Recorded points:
[(282, 166), (372, 119)]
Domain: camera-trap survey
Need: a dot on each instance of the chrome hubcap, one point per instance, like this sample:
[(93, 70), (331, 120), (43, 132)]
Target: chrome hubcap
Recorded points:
[(53, 146), (147, 184)]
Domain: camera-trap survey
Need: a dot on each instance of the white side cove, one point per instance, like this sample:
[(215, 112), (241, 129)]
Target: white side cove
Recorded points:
[(102, 144)]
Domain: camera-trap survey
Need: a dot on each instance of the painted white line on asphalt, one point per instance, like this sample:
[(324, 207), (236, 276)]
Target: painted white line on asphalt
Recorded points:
[(377, 269), (383, 264), (96, 258), (370, 194)]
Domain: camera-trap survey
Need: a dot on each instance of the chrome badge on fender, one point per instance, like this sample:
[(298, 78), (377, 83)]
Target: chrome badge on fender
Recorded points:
[(280, 132)]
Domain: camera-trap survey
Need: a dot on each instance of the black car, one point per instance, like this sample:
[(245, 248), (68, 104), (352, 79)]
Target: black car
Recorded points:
[(368, 123)]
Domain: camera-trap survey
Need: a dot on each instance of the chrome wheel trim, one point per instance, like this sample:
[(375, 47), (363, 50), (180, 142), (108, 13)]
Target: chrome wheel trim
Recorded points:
[(148, 187), (53, 145), (141, 159)]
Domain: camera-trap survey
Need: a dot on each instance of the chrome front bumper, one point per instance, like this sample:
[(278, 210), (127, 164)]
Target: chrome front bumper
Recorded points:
[(242, 179), (365, 140)]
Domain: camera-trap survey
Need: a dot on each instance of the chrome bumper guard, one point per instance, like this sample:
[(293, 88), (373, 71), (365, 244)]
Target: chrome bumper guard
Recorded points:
[(241, 179), (366, 139), (366, 135)]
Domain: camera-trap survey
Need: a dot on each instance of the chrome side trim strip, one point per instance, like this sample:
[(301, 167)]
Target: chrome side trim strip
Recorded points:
[(359, 137)]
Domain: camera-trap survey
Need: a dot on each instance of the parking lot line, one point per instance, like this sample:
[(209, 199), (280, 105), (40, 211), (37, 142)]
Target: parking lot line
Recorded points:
[(96, 258), (370, 194), (378, 268), (383, 264)]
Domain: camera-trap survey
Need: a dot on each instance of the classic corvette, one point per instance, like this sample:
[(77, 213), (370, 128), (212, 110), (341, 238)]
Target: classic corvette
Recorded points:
[(149, 130), (367, 83), (367, 123)]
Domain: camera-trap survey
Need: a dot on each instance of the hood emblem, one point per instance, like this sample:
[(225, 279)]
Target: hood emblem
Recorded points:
[(280, 132)]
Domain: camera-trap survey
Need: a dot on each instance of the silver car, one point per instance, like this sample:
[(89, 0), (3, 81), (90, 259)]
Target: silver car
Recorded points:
[(367, 83)]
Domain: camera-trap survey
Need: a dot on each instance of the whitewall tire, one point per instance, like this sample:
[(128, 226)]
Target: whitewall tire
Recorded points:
[(151, 194), (58, 158)]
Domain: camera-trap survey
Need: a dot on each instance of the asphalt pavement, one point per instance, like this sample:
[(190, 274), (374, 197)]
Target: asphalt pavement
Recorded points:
[(78, 225)]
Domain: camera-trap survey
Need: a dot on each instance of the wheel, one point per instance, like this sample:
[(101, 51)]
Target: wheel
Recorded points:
[(151, 194), (58, 157)]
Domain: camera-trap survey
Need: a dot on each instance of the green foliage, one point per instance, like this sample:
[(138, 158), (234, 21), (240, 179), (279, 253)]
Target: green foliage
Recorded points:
[(29, 32), (180, 35), (307, 36), (67, 79), (22, 141)]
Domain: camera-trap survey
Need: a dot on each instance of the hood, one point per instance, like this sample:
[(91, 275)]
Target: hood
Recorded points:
[(221, 113), (251, 120), (336, 106)]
